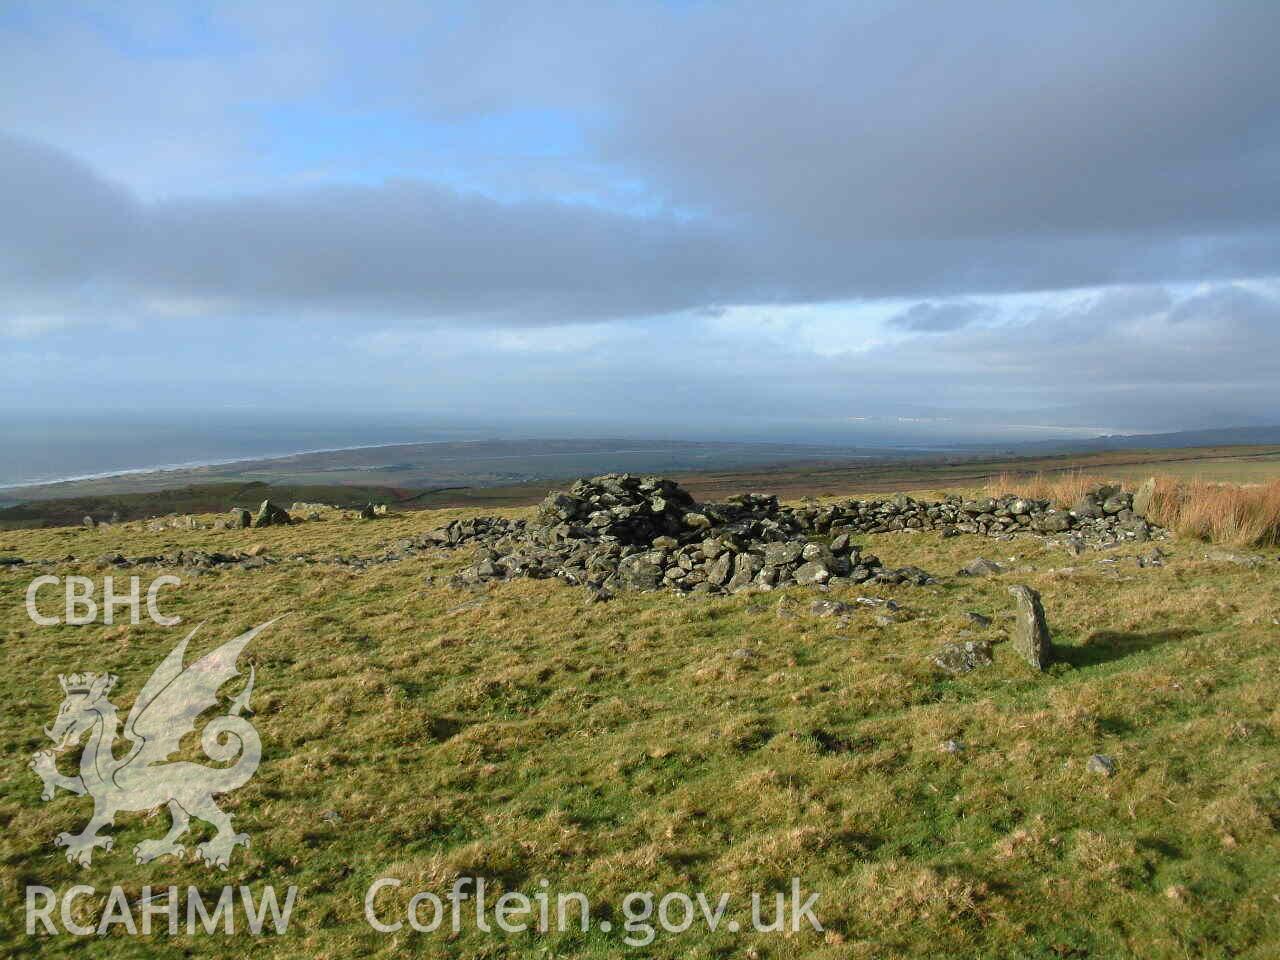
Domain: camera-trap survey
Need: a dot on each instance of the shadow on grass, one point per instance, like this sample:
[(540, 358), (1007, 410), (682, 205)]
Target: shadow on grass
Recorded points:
[(1105, 646)]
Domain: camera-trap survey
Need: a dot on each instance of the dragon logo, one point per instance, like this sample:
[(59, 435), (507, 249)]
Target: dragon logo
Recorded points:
[(166, 710)]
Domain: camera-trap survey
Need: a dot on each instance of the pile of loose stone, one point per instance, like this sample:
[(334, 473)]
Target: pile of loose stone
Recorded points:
[(623, 532)]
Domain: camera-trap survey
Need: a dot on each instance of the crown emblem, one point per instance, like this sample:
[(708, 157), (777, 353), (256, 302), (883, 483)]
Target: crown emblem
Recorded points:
[(86, 683)]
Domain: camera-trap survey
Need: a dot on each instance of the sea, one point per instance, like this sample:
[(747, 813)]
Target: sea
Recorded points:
[(44, 448)]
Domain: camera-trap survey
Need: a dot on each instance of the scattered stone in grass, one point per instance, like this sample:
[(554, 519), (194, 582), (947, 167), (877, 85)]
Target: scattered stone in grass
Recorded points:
[(978, 619), (1074, 545), (829, 608), (1102, 765), (1153, 558), (11, 561), (1030, 631), (597, 595), (742, 653), (786, 609), (953, 746), (331, 816), (1230, 556), (958, 658), (1177, 893), (981, 567)]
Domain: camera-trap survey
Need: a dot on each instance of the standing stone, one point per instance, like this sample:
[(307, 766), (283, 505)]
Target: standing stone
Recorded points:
[(89, 522), (240, 518), (270, 515), (1030, 631), (1142, 499)]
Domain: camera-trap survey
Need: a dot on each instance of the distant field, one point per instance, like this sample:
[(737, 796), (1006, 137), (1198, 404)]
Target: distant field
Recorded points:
[(1225, 464), (789, 478)]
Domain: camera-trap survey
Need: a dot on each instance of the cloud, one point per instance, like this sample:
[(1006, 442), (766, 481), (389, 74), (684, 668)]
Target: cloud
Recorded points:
[(410, 248), (726, 153), (929, 317), (853, 210)]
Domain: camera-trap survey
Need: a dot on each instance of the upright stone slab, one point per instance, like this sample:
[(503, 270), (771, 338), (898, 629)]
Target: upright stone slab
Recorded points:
[(269, 515), (1030, 631), (1142, 499)]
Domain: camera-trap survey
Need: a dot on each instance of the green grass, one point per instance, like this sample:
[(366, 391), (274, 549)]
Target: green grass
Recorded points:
[(196, 498), (623, 746)]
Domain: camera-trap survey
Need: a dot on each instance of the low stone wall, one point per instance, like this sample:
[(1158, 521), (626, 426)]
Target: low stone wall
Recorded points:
[(620, 531)]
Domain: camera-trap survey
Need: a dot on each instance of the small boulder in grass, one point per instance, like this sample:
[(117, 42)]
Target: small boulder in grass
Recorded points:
[(958, 658), (981, 567), (829, 608), (1102, 765)]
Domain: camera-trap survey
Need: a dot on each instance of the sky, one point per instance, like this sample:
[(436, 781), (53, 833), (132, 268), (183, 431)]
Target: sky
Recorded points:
[(719, 216)]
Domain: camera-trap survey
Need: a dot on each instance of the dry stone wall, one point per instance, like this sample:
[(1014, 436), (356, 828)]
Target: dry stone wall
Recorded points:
[(620, 531)]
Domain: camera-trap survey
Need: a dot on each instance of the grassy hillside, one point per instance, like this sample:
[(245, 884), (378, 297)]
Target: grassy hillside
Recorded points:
[(198, 498), (717, 744)]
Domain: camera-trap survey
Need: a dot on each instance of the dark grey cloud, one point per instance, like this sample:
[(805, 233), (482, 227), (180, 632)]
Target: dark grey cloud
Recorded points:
[(409, 248), (931, 147), (790, 154), (930, 317)]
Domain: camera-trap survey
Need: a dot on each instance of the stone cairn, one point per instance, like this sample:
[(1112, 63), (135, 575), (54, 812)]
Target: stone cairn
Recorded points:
[(624, 532)]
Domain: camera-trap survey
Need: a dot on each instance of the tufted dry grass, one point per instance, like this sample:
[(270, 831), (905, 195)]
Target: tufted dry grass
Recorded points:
[(1235, 514)]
